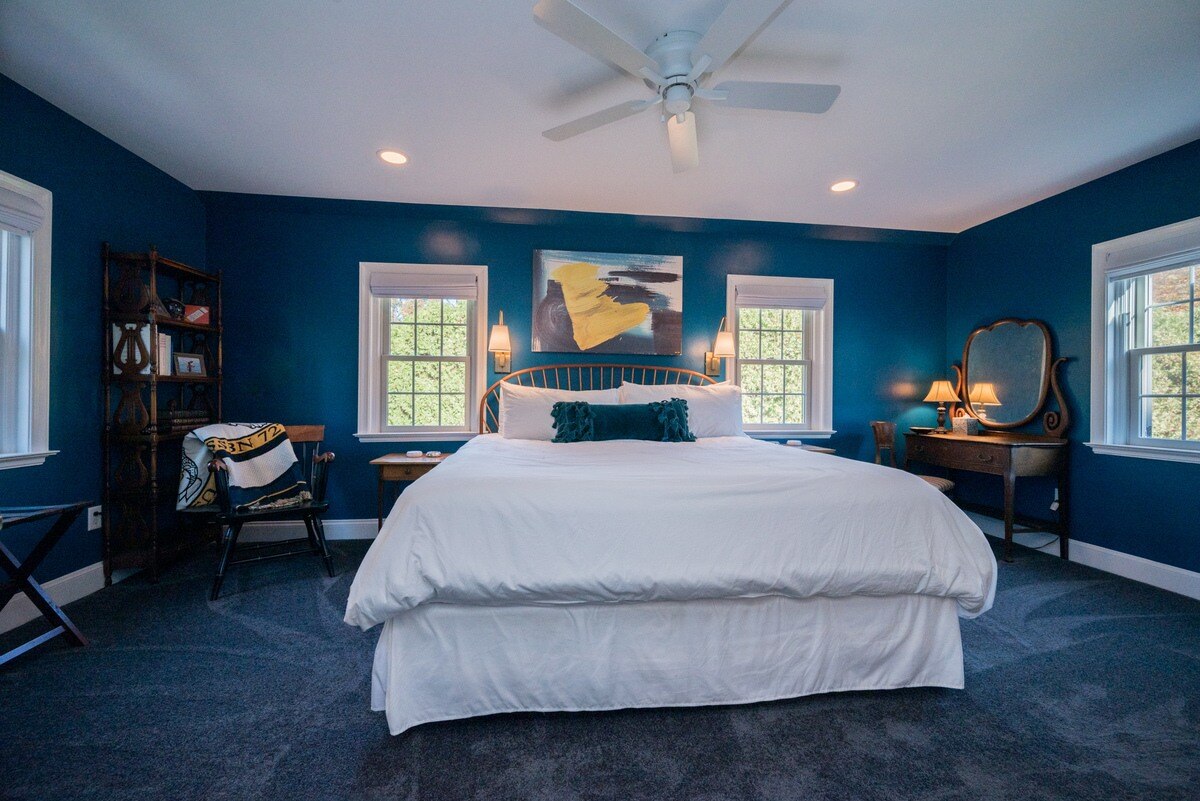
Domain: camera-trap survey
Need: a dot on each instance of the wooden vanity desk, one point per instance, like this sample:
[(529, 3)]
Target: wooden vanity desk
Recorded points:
[(1000, 453)]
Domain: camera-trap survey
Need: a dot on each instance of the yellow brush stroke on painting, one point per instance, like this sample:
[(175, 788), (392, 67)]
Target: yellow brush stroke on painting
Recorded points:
[(595, 317)]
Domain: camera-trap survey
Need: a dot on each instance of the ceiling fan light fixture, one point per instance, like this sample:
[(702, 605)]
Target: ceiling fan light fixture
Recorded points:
[(393, 157), (681, 135), (843, 186)]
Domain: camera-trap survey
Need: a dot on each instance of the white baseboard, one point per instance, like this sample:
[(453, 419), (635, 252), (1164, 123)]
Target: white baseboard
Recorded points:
[(63, 590), (1156, 574), (267, 531)]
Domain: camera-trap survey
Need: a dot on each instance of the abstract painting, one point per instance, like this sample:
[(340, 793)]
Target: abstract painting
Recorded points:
[(607, 303)]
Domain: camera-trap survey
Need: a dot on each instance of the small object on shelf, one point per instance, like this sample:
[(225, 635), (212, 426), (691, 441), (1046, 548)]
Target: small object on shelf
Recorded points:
[(413, 454), (189, 364), (164, 354), (433, 454), (131, 349), (920, 429), (966, 425), (174, 307), (197, 315)]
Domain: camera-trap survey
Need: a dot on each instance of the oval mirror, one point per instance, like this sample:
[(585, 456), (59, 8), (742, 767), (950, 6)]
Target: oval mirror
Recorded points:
[(1006, 372)]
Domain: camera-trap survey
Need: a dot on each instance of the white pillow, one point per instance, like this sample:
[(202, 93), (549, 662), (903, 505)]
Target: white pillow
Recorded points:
[(714, 410), (525, 411)]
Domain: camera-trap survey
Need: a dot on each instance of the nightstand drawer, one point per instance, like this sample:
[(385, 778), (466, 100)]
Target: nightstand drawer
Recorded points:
[(404, 472), (980, 457)]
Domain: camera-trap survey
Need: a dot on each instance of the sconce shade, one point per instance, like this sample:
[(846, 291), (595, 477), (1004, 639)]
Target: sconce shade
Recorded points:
[(941, 392), (499, 342), (723, 346), (984, 394)]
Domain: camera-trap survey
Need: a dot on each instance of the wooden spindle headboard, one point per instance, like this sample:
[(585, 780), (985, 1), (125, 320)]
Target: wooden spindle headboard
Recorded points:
[(578, 377)]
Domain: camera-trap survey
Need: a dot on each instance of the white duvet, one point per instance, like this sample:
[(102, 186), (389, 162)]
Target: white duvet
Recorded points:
[(506, 521)]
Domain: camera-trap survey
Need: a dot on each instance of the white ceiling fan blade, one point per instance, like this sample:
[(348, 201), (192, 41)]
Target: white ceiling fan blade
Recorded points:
[(571, 23), (738, 24), (810, 98), (591, 121), (685, 150)]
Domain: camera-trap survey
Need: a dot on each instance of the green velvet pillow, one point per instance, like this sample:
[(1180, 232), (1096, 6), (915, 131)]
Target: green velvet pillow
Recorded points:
[(661, 421)]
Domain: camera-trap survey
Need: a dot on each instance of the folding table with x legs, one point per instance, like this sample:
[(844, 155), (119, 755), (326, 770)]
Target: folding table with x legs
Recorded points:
[(20, 574)]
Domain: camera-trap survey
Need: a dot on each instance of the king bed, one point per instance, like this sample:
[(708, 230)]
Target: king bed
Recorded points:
[(530, 575)]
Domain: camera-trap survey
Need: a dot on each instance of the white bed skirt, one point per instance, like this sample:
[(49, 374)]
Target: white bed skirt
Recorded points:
[(444, 661)]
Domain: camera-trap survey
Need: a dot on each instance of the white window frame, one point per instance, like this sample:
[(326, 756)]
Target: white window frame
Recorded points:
[(818, 347), (372, 363), (1113, 390), (36, 390)]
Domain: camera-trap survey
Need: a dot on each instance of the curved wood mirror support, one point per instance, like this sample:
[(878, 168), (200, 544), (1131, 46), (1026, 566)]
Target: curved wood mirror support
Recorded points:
[(1020, 366)]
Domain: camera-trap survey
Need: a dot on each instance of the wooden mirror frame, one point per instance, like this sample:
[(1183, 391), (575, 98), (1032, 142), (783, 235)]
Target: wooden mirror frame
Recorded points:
[(1054, 421)]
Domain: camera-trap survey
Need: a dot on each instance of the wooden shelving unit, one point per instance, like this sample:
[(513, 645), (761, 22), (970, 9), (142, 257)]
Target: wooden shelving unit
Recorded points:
[(141, 448)]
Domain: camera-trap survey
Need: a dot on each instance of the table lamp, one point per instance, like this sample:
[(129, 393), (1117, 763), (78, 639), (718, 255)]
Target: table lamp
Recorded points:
[(941, 393), (983, 395)]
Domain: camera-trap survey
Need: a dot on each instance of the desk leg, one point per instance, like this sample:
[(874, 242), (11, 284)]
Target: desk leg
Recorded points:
[(1010, 492), (1064, 520), (379, 499)]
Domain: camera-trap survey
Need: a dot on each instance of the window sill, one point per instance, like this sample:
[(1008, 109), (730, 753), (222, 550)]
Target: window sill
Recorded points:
[(789, 433), (10, 460), (1146, 452), (415, 436)]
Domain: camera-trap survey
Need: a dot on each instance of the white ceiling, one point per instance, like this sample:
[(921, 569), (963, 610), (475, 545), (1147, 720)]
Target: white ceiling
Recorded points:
[(952, 112)]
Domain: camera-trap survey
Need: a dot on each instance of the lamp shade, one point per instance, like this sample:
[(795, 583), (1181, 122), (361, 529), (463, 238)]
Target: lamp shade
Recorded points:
[(984, 394), (941, 392), (499, 342), (723, 345)]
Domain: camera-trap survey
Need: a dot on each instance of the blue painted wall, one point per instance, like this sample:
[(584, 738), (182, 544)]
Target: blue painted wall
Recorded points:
[(291, 306), (101, 192), (1036, 262)]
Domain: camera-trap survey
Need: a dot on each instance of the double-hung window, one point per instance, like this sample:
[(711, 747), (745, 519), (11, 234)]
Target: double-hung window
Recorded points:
[(783, 329), (1146, 344), (25, 213), (421, 350)]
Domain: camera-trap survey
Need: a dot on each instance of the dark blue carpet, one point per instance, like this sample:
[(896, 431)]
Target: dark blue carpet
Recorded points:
[(1080, 685)]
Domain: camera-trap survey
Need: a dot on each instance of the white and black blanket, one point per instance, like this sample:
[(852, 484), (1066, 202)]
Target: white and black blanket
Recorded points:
[(263, 470)]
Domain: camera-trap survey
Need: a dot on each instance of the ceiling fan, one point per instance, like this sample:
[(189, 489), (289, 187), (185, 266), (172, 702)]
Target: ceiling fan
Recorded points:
[(676, 66)]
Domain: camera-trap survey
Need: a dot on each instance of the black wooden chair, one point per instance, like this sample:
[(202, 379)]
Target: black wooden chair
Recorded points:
[(885, 440), (315, 466)]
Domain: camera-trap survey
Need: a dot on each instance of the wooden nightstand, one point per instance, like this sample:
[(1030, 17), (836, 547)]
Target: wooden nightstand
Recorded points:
[(795, 443), (398, 467)]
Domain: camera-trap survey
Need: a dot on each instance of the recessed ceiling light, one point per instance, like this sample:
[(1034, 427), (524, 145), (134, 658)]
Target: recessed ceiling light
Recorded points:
[(843, 186), (393, 156)]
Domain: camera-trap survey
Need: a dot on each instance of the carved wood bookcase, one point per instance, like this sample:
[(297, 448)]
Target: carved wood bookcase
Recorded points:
[(148, 407)]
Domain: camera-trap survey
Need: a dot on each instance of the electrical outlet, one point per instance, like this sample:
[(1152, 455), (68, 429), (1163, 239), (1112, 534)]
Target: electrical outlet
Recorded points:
[(95, 517)]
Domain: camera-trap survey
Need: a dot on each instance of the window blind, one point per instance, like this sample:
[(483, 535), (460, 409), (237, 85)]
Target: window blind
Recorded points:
[(805, 297), (20, 212), (424, 285)]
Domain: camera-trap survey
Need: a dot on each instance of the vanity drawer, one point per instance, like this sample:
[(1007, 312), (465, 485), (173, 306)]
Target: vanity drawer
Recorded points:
[(958, 453)]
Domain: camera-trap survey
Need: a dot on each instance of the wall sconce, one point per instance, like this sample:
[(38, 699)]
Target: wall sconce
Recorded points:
[(983, 395), (500, 346), (941, 393), (722, 349)]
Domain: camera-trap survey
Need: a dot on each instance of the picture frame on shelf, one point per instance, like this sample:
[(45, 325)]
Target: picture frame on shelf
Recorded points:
[(190, 364)]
